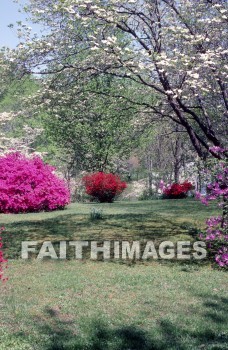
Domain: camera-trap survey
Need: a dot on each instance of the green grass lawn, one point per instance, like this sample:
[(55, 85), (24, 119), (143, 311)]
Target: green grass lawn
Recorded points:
[(157, 220), (79, 305)]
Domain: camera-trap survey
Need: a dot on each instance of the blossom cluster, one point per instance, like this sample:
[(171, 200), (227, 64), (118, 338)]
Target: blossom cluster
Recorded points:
[(3, 261), (175, 190), (221, 257), (216, 238), (30, 185), (103, 187)]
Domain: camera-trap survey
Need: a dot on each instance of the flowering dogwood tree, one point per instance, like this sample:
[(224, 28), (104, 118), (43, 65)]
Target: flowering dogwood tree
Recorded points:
[(172, 49), (23, 144), (17, 131)]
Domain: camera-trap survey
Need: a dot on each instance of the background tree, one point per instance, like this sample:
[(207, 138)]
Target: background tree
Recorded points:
[(164, 151), (91, 128)]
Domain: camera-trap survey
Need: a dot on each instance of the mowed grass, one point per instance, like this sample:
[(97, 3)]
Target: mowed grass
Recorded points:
[(157, 220), (72, 305), (94, 305)]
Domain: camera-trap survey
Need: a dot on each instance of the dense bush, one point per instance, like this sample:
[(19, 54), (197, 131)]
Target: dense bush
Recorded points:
[(175, 190), (103, 187), (29, 185)]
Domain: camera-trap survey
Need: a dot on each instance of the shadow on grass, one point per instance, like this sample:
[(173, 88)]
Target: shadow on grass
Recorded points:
[(63, 334), (216, 309), (79, 227)]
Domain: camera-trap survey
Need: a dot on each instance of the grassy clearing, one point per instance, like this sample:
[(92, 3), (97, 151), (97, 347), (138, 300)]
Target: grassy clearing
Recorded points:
[(187, 209), (85, 305)]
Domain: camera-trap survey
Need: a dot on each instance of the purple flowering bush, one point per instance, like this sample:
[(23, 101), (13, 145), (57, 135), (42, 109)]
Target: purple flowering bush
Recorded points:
[(216, 235), (30, 185), (216, 239)]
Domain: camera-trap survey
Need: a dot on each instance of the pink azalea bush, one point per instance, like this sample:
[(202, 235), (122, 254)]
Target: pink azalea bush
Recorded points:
[(216, 234), (3, 261), (30, 185)]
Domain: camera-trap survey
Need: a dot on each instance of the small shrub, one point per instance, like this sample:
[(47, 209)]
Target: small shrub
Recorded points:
[(30, 185), (147, 195), (80, 195), (103, 187), (96, 214)]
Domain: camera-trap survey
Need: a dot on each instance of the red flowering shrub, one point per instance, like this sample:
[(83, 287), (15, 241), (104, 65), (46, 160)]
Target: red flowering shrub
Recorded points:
[(29, 185), (103, 187), (176, 191)]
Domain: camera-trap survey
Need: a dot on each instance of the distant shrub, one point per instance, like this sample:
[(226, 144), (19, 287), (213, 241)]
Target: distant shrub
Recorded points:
[(103, 187), (30, 185), (176, 191), (147, 195)]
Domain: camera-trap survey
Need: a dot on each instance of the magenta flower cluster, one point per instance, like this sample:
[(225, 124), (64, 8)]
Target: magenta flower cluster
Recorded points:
[(215, 235), (30, 185), (221, 257), (3, 261)]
